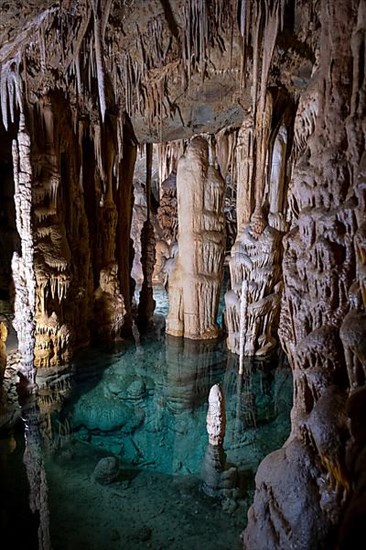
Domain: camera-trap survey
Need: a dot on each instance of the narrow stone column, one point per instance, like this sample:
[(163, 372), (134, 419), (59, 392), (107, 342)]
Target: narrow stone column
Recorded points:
[(148, 256), (23, 265)]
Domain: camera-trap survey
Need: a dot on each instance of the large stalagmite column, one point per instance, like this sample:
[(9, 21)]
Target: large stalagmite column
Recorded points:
[(255, 263), (23, 266), (194, 286)]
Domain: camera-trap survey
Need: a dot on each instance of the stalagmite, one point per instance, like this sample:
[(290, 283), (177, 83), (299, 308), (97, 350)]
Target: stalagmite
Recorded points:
[(194, 285), (219, 478), (216, 416), (243, 322), (98, 44), (23, 266)]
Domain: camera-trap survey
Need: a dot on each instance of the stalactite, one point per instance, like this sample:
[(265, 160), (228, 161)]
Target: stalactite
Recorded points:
[(256, 56), (77, 43), (98, 44), (148, 255), (97, 139), (4, 94), (225, 149), (168, 156), (42, 47), (11, 90), (105, 17), (272, 24), (263, 132), (244, 161)]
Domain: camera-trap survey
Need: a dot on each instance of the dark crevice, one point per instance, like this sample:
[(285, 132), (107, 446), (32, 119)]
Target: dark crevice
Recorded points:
[(169, 16)]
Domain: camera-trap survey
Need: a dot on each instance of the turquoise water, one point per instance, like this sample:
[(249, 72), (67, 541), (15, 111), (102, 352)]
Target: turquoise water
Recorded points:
[(143, 406)]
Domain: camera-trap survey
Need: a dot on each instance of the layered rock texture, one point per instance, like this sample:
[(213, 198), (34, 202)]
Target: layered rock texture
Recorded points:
[(257, 113), (194, 285)]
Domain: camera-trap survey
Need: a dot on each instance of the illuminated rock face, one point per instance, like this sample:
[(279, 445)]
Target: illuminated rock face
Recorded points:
[(23, 264), (59, 232), (194, 285), (253, 301), (322, 319), (255, 260), (216, 416)]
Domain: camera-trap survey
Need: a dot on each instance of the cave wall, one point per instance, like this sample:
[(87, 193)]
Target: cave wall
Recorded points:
[(322, 309)]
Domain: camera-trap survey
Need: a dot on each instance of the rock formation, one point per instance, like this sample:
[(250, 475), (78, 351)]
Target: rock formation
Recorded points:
[(194, 285), (3, 355), (319, 269), (219, 478), (216, 416), (265, 97)]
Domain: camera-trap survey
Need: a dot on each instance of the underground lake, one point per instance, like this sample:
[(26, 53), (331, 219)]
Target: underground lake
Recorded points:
[(113, 453)]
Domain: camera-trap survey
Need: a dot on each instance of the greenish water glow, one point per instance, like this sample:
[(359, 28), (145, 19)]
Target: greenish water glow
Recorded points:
[(145, 405)]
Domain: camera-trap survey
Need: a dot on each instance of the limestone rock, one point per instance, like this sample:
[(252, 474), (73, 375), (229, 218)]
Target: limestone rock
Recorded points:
[(285, 489), (216, 416), (109, 309), (194, 285), (106, 471)]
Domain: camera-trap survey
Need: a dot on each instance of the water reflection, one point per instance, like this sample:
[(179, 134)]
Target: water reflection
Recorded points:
[(146, 408)]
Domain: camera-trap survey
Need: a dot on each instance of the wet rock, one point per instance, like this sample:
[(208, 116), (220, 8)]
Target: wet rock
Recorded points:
[(136, 390), (143, 534), (106, 471), (286, 504)]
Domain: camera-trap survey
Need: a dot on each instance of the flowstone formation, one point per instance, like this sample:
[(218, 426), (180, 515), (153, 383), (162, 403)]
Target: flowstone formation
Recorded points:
[(252, 304), (194, 285), (323, 308), (253, 300)]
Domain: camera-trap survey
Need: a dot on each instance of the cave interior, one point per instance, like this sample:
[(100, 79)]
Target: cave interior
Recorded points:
[(204, 157)]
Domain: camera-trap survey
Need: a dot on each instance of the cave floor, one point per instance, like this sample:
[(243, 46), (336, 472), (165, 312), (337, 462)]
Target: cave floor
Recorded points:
[(141, 509)]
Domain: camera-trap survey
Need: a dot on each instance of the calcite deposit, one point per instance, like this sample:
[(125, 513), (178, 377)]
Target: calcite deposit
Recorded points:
[(194, 284), (251, 116)]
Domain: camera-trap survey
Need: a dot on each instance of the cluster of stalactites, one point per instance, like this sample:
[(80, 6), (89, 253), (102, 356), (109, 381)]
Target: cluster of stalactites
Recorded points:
[(168, 156), (139, 78), (10, 90)]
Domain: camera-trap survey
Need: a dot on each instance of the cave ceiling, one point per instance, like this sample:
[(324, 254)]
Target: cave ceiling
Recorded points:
[(175, 67)]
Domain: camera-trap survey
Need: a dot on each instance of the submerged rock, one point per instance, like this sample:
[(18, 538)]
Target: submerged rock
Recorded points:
[(95, 412), (106, 471)]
